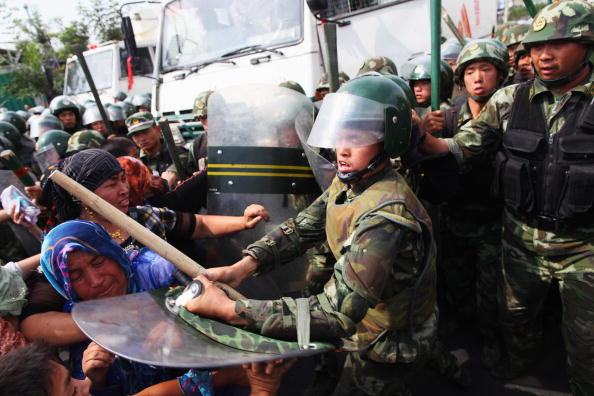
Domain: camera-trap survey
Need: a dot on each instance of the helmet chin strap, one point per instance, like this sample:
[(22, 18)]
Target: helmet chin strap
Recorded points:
[(424, 104), (355, 176), (563, 80), (484, 98)]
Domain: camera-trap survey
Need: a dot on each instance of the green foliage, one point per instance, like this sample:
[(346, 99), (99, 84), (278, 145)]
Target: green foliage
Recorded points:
[(74, 35), (516, 13), (103, 18)]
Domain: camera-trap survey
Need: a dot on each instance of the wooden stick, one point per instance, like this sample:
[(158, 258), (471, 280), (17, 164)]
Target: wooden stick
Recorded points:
[(136, 230)]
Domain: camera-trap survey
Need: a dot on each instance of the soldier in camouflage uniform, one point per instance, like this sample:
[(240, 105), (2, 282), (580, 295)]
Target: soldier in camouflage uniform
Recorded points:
[(380, 300), (542, 133), (323, 87), (380, 64), (419, 79), (471, 219), (67, 110), (198, 150)]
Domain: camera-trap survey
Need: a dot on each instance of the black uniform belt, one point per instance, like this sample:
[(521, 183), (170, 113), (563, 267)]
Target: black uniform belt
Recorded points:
[(553, 224)]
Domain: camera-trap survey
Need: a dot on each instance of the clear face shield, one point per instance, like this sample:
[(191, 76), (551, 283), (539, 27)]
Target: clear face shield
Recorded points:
[(344, 121)]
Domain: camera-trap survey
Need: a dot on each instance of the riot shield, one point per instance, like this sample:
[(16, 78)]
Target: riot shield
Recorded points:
[(47, 156), (31, 245), (254, 156), (139, 327)]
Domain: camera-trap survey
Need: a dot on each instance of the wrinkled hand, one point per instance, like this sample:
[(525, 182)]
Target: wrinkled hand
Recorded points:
[(233, 275), (434, 122), (265, 378), (95, 363), (253, 214), (213, 302)]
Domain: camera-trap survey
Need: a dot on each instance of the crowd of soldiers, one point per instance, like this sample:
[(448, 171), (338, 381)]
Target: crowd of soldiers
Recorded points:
[(435, 218)]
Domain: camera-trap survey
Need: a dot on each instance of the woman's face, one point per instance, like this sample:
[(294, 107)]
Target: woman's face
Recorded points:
[(115, 190), (93, 276)]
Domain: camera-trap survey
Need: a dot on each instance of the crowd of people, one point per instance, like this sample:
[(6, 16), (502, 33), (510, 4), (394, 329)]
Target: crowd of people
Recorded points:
[(435, 219)]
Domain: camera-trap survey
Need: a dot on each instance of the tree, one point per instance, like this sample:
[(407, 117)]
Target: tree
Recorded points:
[(74, 35), (103, 18)]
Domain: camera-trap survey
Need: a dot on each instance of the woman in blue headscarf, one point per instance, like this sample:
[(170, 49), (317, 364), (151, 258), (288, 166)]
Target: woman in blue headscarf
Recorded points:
[(83, 262)]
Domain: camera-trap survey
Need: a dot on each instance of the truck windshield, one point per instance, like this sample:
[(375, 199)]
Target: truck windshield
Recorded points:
[(101, 68), (199, 31)]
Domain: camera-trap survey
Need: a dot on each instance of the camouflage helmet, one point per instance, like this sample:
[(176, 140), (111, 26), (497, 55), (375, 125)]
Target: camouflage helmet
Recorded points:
[(5, 144), (380, 64), (371, 104), (15, 119), (451, 48), (294, 85), (85, 139), (482, 49), (566, 20), (61, 103), (56, 137), (201, 104), (511, 33), (323, 82), (10, 132), (120, 96), (421, 70)]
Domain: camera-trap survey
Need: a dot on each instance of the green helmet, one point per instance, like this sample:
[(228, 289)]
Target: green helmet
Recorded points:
[(127, 107), (323, 82), (294, 85), (61, 103), (482, 49), (15, 119), (24, 114), (566, 20), (201, 104), (10, 132), (371, 104), (404, 86), (120, 96), (141, 100), (421, 70), (56, 137), (380, 64), (43, 123), (5, 144), (84, 139)]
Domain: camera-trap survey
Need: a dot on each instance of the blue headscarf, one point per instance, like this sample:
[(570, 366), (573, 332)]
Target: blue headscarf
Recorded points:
[(79, 235)]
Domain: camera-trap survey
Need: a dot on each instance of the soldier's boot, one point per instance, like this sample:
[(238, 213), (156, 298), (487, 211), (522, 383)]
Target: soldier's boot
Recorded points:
[(447, 366)]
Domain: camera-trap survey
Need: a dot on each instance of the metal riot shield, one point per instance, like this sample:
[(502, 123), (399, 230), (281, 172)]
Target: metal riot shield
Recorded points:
[(31, 245), (139, 327), (254, 156)]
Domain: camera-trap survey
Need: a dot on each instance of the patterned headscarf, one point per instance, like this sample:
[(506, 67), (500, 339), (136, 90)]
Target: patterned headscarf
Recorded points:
[(90, 168), (139, 178), (78, 235)]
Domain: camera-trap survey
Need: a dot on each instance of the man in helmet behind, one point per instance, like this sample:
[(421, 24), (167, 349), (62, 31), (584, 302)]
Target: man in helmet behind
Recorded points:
[(419, 79), (471, 219), (542, 134), (381, 298), (68, 112)]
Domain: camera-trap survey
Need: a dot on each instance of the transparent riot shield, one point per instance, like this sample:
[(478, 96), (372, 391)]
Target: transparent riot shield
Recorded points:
[(47, 156), (254, 156), (31, 245)]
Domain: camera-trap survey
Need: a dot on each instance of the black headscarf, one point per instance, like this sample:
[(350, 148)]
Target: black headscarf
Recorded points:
[(90, 168)]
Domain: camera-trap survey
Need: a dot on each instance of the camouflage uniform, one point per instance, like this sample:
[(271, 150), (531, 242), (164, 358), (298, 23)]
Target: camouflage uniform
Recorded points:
[(533, 257), (381, 238)]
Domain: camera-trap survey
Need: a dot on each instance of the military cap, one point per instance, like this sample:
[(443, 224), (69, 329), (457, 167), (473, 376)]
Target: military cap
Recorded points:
[(201, 104), (567, 20), (139, 122), (380, 64)]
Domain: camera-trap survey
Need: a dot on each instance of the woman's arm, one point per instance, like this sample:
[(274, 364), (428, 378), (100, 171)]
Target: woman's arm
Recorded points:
[(55, 328), (210, 226)]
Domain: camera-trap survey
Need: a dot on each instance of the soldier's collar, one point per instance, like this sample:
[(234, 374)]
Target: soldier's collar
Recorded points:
[(586, 87), (365, 183)]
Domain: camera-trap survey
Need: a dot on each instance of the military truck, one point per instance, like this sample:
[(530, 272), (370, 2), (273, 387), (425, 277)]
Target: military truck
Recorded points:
[(210, 44)]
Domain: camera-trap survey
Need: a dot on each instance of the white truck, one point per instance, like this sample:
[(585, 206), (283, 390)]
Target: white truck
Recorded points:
[(210, 44), (109, 62)]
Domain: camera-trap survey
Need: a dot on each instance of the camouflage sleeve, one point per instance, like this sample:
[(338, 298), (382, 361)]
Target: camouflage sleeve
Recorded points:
[(292, 238), (184, 160), (344, 303), (481, 136)]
